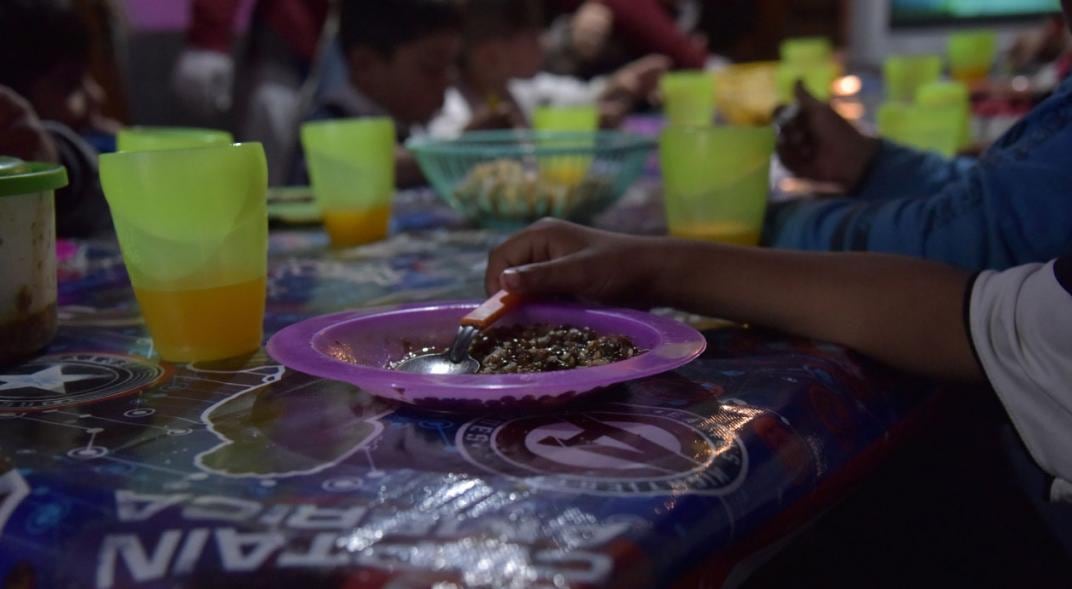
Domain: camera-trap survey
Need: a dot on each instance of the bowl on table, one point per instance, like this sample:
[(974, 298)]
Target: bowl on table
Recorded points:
[(360, 347), (508, 179)]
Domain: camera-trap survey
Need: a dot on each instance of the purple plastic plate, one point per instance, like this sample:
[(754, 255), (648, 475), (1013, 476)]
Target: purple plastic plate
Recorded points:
[(357, 347)]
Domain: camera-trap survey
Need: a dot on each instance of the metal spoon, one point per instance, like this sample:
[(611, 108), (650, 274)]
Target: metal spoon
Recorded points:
[(457, 360)]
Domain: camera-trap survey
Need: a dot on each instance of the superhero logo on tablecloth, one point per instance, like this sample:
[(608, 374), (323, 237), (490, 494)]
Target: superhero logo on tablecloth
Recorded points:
[(65, 380), (623, 450)]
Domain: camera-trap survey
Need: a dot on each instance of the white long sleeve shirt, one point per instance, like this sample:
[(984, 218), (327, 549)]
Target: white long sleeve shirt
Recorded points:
[(1021, 326)]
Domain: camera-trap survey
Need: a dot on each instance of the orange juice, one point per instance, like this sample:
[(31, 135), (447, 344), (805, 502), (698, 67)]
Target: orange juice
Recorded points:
[(970, 76), (347, 227), (204, 324), (733, 233)]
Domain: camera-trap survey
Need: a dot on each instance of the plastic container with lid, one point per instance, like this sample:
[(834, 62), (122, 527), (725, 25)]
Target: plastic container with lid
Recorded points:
[(27, 256)]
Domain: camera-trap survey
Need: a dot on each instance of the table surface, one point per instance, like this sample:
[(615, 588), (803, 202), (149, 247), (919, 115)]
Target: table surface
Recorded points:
[(119, 470)]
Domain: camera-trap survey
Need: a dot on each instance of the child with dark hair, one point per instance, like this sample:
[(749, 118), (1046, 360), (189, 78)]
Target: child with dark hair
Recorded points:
[(400, 57), (500, 75), (48, 99)]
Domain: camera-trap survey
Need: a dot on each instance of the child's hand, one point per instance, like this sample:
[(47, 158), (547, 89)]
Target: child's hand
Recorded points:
[(21, 133), (818, 144), (554, 257), (590, 28), (503, 116), (639, 80)]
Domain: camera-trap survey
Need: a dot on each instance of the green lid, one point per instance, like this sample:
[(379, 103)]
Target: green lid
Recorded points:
[(19, 177)]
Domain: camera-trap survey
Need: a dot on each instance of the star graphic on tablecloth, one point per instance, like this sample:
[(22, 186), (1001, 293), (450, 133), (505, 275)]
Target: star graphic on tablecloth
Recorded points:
[(51, 379)]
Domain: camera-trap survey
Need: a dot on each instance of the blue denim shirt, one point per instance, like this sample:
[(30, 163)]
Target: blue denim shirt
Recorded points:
[(1011, 206)]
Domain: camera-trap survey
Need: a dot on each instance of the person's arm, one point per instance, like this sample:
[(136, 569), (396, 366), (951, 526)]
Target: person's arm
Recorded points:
[(1004, 211), (818, 144), (904, 312), (648, 28), (212, 24)]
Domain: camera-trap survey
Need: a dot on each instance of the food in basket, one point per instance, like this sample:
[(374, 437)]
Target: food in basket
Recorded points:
[(541, 347), (505, 187)]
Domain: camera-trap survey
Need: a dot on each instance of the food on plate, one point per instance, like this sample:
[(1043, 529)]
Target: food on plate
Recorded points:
[(516, 349)]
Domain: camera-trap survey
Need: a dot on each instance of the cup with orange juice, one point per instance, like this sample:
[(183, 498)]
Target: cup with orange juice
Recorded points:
[(352, 168), (716, 181), (971, 55), (193, 229)]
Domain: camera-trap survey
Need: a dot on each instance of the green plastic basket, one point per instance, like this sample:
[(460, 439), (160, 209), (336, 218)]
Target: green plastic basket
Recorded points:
[(507, 179)]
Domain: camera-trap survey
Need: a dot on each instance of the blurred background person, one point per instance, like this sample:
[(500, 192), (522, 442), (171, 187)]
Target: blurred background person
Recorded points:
[(264, 97), (501, 79), (596, 37), (50, 104)]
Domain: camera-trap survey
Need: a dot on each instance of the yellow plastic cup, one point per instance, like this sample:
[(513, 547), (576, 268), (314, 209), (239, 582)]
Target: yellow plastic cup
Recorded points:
[(928, 128), (954, 99), (904, 74), (971, 55), (153, 138), (689, 98), (716, 181), (352, 168), (818, 79), (193, 228), (805, 51), (566, 118)]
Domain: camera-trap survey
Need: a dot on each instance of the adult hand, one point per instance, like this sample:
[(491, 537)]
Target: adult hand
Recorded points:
[(202, 80), (590, 29), (557, 258), (21, 132), (639, 80), (818, 144)]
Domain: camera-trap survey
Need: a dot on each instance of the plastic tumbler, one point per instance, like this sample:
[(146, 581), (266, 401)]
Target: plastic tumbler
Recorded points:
[(352, 168), (689, 98), (932, 129), (904, 74), (193, 229), (954, 99), (806, 50), (971, 55), (566, 118), (716, 182), (152, 138)]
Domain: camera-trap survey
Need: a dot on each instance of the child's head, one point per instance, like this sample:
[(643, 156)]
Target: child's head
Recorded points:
[(44, 49), (502, 38), (402, 53)]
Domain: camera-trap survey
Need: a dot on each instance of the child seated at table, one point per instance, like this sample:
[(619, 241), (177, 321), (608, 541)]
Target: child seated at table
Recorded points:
[(50, 104), (1011, 329), (1011, 206), (500, 81), (400, 57)]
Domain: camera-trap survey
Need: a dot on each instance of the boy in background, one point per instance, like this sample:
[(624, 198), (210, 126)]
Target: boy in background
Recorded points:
[(400, 57), (500, 74)]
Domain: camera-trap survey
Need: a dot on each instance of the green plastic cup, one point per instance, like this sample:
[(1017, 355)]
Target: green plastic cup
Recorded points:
[(904, 74), (352, 168), (716, 181), (689, 98), (818, 79), (953, 98), (193, 228), (971, 55), (153, 138), (934, 129), (566, 118), (806, 50)]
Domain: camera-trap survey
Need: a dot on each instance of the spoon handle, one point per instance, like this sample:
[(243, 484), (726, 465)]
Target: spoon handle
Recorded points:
[(492, 309)]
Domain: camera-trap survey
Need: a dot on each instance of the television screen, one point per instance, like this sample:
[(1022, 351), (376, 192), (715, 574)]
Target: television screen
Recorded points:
[(944, 12)]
